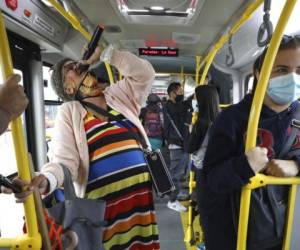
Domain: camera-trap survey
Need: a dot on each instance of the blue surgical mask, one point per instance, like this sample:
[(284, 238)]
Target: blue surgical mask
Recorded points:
[(284, 89), (195, 105)]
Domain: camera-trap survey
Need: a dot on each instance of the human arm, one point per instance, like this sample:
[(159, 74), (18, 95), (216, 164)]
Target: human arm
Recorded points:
[(138, 74), (64, 147), (197, 136), (13, 101), (282, 168), (226, 166)]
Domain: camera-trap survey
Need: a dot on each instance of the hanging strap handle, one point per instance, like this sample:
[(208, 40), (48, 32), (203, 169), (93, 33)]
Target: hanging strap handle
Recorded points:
[(69, 189), (230, 60), (94, 108), (266, 26)]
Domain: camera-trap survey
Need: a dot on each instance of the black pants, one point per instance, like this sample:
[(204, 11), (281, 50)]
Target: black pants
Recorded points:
[(275, 248)]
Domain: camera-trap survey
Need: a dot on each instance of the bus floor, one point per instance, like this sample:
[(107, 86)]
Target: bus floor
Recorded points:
[(172, 227)]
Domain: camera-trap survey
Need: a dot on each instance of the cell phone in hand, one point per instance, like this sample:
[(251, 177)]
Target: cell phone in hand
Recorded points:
[(6, 182)]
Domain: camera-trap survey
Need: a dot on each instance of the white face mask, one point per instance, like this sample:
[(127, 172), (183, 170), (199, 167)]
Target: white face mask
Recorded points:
[(195, 105), (284, 89)]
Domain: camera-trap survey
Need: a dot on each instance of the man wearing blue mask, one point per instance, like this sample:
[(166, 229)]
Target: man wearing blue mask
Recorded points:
[(227, 168)]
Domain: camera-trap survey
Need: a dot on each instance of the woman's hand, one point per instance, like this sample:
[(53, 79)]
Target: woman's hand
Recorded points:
[(39, 182), (282, 168), (257, 158), (95, 57)]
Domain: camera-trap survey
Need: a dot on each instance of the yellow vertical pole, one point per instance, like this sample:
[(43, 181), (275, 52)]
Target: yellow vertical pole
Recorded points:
[(290, 216), (208, 63), (255, 113), (198, 58), (182, 77), (18, 139), (109, 72)]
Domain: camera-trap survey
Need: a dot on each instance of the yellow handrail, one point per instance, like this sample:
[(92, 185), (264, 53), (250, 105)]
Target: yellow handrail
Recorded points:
[(253, 125), (32, 239), (73, 20), (198, 58), (210, 56)]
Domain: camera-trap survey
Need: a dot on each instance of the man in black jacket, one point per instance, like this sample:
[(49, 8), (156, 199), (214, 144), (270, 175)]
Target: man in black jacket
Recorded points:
[(176, 123)]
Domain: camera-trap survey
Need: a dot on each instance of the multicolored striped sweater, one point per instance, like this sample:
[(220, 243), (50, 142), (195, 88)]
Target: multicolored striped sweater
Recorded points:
[(118, 175)]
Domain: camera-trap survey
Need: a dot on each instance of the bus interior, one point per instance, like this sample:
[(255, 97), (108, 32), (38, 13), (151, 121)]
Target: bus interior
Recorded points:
[(175, 36)]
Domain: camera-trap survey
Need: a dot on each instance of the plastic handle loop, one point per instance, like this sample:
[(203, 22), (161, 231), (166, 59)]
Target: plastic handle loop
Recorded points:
[(266, 28), (230, 57)]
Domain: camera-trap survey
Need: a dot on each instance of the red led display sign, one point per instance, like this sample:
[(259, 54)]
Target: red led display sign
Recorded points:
[(158, 52)]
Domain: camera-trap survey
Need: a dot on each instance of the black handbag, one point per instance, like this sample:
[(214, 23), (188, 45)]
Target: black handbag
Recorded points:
[(160, 175), (268, 207)]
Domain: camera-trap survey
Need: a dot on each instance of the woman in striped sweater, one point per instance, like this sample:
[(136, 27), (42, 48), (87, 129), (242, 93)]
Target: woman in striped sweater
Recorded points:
[(104, 157)]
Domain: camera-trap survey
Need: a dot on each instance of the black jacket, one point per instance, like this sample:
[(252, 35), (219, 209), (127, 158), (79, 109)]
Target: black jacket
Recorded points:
[(226, 168), (181, 115)]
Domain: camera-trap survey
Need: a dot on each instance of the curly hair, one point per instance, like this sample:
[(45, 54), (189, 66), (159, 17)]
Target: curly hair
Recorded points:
[(57, 81)]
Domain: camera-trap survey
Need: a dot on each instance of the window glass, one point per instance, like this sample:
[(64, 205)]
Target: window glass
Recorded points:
[(249, 84), (51, 105), (11, 220), (50, 114), (49, 93)]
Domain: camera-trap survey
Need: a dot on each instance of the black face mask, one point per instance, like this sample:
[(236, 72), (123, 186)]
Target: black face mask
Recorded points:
[(179, 98)]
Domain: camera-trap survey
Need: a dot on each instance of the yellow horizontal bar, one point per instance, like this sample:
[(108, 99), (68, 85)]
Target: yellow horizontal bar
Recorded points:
[(21, 242), (224, 105), (260, 180), (246, 15), (71, 18)]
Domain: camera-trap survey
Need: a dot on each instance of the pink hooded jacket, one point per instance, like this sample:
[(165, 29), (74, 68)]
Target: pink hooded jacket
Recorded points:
[(69, 144)]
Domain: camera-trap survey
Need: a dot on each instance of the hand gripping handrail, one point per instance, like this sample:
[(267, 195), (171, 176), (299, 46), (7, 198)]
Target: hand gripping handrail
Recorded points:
[(260, 180), (31, 240), (73, 20), (208, 59)]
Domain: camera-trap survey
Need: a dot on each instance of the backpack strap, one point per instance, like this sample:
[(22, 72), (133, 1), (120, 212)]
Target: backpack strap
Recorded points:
[(295, 124), (96, 109), (174, 126)]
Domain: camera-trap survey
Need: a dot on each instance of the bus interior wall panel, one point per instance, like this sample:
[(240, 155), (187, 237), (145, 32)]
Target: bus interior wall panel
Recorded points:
[(32, 19)]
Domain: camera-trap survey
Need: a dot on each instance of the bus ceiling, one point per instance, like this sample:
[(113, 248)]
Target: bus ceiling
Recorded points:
[(191, 26)]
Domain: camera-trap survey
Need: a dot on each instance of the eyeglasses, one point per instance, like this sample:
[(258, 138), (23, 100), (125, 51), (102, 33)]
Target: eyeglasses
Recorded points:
[(286, 39), (67, 68)]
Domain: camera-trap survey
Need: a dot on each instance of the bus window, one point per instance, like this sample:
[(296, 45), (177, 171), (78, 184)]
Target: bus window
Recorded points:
[(11, 220), (248, 84), (52, 103), (49, 93)]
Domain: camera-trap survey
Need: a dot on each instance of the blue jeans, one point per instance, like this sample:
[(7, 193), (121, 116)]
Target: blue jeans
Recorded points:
[(178, 164)]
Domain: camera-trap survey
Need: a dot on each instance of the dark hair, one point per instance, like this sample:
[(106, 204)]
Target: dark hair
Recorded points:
[(173, 86), (57, 81), (287, 42), (153, 98), (208, 102)]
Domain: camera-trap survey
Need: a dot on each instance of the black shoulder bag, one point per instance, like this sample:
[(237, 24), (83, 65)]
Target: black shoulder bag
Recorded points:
[(268, 203), (157, 167)]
